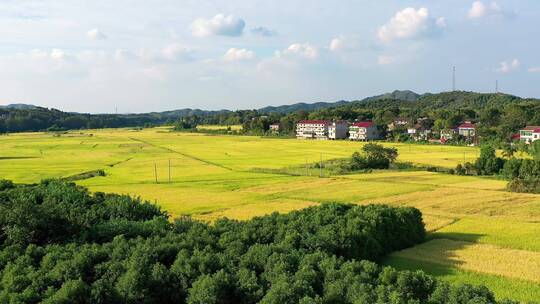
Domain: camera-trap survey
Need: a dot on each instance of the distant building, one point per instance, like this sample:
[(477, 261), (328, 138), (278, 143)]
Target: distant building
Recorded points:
[(529, 134), (419, 132), (467, 130), (312, 129), (397, 123), (365, 130), (338, 130), (448, 134), (274, 128)]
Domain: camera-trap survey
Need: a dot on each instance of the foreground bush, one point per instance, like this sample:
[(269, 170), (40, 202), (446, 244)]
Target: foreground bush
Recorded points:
[(82, 248), (528, 185)]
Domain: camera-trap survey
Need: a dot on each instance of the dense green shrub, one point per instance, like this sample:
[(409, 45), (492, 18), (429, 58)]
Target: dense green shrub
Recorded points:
[(82, 248), (529, 185), (374, 156)]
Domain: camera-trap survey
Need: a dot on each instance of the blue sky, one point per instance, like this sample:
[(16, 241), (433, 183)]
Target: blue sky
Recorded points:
[(139, 56)]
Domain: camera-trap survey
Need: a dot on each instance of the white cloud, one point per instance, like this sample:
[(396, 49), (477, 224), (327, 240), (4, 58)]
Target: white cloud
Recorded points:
[(96, 34), (58, 54), (234, 54), (263, 31), (410, 23), (343, 43), (534, 70), (385, 60), (175, 51), (507, 67), (220, 25), (304, 50), (337, 44), (479, 10)]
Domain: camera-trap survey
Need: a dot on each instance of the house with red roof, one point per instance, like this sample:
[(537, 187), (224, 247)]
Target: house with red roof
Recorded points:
[(467, 130), (529, 134), (363, 130), (312, 129)]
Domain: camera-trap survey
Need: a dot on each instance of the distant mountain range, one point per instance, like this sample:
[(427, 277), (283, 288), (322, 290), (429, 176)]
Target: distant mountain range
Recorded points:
[(429, 100), (18, 106), (284, 109)]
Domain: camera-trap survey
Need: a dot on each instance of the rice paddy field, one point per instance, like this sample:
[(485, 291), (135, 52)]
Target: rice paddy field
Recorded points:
[(479, 233)]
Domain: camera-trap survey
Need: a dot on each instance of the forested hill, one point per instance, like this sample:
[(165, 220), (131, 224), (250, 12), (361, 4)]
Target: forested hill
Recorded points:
[(285, 109)]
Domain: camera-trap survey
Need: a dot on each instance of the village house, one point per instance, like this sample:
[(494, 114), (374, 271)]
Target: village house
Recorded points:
[(467, 130), (448, 134), (398, 122), (338, 130), (529, 134), (419, 132), (274, 128), (312, 129), (365, 130)]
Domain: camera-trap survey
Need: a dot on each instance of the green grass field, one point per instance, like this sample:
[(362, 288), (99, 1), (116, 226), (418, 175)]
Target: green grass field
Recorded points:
[(472, 220)]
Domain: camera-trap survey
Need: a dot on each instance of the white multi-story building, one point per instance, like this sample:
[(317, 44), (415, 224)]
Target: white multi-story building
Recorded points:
[(312, 129), (529, 134), (338, 130), (365, 130)]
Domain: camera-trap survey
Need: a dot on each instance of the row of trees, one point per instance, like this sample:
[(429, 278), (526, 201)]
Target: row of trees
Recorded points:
[(61, 244), (523, 173)]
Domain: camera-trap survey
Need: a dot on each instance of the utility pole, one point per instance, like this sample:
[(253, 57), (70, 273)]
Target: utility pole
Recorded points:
[(169, 170), (155, 172), (320, 167)]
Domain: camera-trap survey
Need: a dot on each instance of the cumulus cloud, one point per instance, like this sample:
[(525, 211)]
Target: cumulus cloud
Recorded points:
[(96, 34), (479, 10), (304, 50), (234, 54), (263, 31), (385, 60), (58, 54), (411, 23), (534, 70), (344, 43), (175, 51), (508, 66), (337, 44), (220, 25)]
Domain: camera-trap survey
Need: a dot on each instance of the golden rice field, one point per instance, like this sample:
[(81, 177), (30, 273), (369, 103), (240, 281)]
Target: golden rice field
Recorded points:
[(480, 234)]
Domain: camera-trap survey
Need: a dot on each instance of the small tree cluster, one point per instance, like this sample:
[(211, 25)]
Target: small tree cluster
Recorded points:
[(374, 156)]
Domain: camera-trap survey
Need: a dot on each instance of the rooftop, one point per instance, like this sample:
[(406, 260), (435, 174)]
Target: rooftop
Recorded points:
[(363, 124), (467, 125), (324, 122), (535, 129)]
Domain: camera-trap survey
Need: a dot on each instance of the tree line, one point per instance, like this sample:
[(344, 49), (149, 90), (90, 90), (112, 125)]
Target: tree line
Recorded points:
[(62, 244), (522, 173)]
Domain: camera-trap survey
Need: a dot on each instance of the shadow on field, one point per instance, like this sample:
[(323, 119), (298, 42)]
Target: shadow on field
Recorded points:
[(16, 157), (439, 255), (456, 236)]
